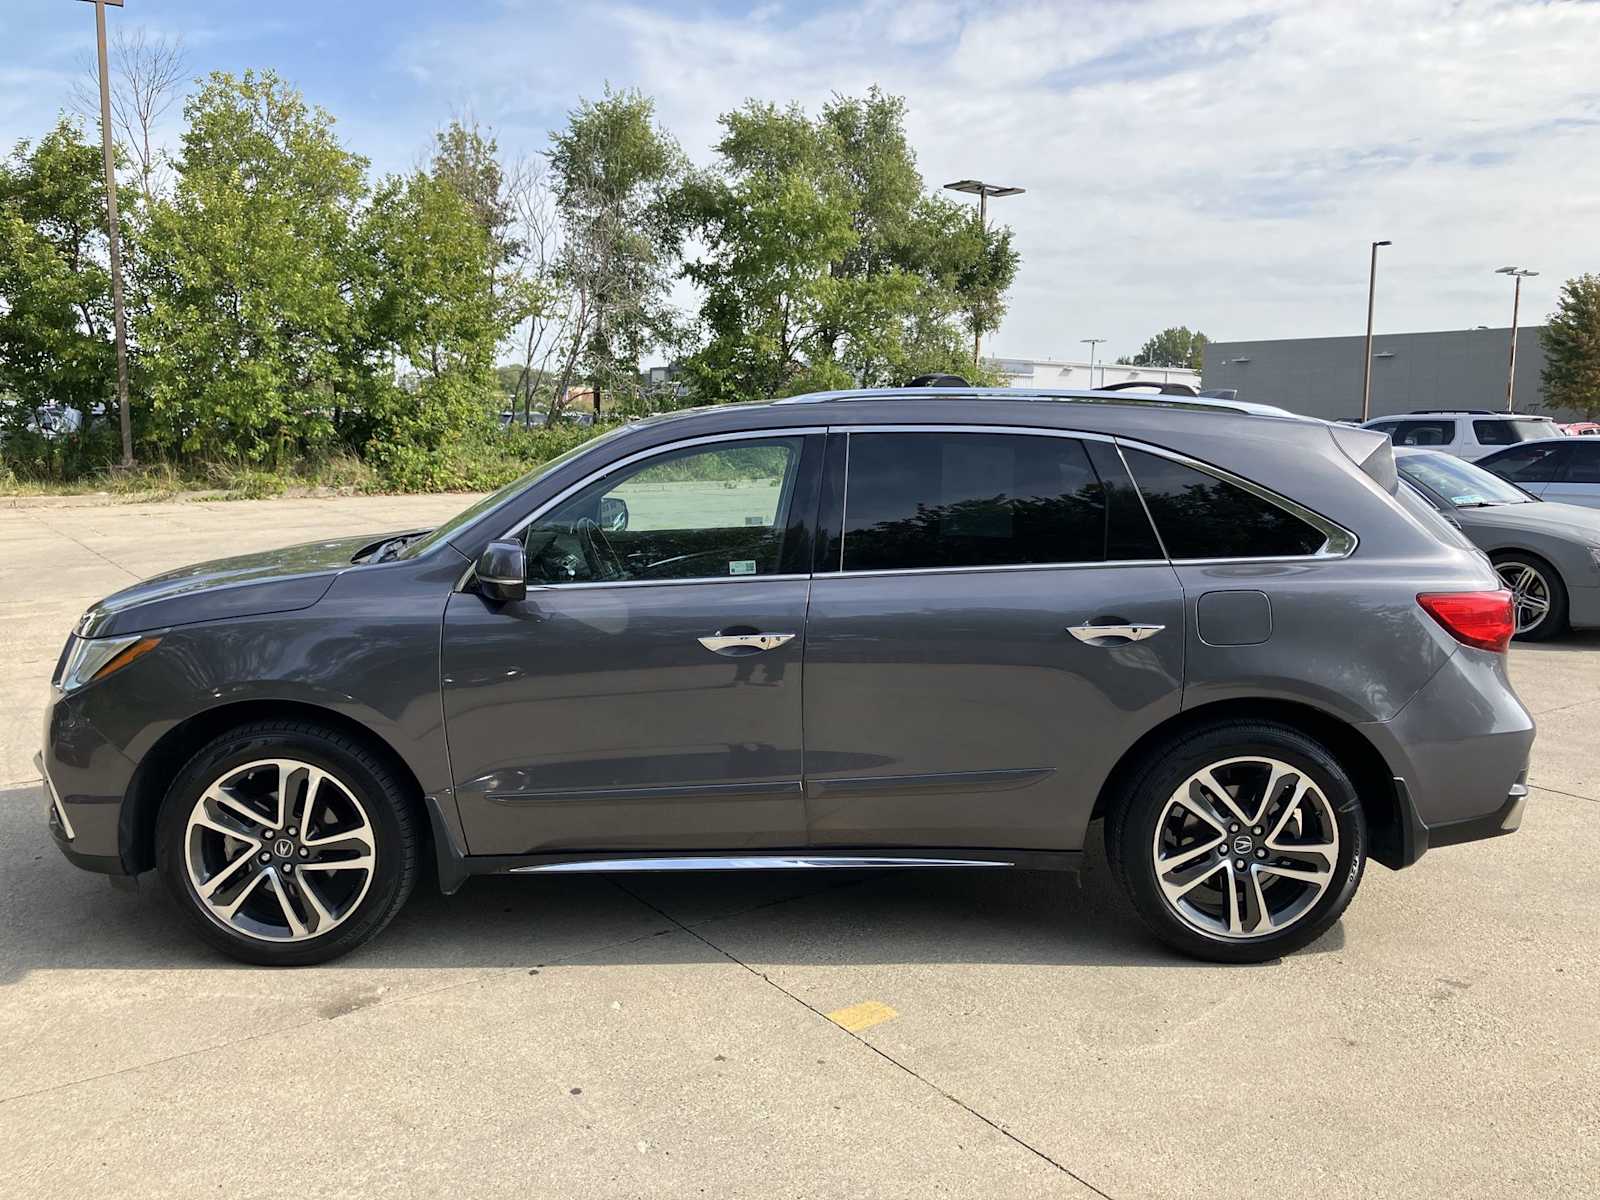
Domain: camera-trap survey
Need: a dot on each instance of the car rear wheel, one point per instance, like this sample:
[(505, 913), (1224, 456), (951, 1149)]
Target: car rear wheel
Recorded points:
[(1538, 596), (1239, 843), (285, 843)]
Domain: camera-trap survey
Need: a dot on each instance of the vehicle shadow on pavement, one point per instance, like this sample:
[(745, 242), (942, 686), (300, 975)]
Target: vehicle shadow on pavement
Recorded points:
[(56, 917)]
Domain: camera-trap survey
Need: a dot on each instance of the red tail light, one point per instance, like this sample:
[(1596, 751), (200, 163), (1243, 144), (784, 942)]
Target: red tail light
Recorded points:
[(1482, 619)]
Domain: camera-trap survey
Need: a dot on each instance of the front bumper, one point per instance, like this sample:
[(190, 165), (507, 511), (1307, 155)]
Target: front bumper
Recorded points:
[(86, 781)]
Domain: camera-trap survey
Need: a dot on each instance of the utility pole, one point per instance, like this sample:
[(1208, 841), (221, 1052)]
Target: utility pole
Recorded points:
[(983, 191), (1092, 343), (1366, 366), (1520, 273), (114, 236)]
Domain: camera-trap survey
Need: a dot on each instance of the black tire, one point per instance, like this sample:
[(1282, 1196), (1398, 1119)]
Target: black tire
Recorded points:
[(365, 775), (1131, 834), (1554, 623)]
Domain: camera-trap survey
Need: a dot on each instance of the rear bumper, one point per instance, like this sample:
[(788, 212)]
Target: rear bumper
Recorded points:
[(1459, 756), (1417, 838)]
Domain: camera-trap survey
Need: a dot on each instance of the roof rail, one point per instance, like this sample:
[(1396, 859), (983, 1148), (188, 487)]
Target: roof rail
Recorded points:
[(1440, 412), (1196, 403)]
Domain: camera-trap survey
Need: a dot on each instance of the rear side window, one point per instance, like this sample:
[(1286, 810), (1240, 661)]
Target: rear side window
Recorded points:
[(1422, 433), (1503, 431), (1536, 462), (1583, 463), (1201, 516), (931, 500)]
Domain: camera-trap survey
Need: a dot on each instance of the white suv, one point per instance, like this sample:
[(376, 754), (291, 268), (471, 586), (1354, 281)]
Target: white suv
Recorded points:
[(1468, 433)]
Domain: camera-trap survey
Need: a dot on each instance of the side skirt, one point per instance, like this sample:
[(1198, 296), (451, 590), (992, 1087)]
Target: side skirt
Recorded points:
[(857, 858)]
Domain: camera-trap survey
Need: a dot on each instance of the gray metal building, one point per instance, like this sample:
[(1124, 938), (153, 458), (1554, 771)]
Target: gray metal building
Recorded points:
[(1321, 377)]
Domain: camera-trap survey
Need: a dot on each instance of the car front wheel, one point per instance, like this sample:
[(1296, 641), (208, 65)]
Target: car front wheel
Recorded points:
[(286, 843), (1239, 843)]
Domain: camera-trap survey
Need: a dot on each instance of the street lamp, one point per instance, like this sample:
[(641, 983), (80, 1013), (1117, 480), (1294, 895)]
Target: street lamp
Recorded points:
[(1520, 273), (982, 190), (1366, 366), (1091, 343), (113, 235)]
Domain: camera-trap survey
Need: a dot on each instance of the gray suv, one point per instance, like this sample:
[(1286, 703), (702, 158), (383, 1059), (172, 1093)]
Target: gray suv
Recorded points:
[(932, 628)]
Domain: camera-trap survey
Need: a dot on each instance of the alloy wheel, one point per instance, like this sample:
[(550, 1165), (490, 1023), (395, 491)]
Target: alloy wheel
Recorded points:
[(1530, 593), (279, 850), (1245, 847)]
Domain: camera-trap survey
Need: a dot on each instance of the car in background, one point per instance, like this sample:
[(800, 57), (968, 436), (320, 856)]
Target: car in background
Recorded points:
[(1547, 553), (1565, 469), (1582, 429), (1468, 433)]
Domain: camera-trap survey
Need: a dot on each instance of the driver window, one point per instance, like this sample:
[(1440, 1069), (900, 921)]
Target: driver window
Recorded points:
[(705, 512)]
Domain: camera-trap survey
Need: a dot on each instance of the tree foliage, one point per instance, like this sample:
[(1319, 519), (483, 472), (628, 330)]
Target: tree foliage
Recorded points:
[(1174, 346), (827, 262), (55, 290), (1571, 339)]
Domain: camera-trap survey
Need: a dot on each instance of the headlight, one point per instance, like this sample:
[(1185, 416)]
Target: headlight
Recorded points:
[(88, 659)]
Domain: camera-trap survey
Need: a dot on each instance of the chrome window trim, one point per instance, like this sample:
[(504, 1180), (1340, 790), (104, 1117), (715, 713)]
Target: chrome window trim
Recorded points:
[(1340, 542), (888, 572), (626, 461)]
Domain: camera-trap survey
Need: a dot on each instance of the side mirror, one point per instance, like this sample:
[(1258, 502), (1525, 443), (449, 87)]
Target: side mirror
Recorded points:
[(503, 572), (613, 514)]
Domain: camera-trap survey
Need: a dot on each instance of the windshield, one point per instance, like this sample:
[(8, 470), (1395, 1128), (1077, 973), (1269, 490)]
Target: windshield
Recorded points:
[(1460, 482), (470, 514)]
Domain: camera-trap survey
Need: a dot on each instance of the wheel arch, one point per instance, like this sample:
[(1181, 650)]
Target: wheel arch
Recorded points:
[(162, 762), (1371, 774)]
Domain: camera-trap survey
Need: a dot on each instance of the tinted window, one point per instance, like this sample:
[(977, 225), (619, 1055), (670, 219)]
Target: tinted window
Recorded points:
[(1509, 431), (1583, 464), (1201, 516), (1422, 433), (705, 512), (917, 500), (1536, 462)]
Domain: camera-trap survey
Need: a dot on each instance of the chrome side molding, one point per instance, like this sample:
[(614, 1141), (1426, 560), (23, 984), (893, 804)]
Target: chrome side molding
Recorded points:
[(746, 862)]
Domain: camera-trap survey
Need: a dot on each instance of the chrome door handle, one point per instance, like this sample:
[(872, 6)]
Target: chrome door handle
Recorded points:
[(747, 642), (1124, 633)]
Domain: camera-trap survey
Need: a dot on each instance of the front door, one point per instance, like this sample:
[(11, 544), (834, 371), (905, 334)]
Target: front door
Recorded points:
[(646, 694), (997, 626)]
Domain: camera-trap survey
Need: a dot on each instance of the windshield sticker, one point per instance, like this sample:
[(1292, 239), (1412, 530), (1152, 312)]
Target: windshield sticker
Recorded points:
[(742, 566), (1468, 498)]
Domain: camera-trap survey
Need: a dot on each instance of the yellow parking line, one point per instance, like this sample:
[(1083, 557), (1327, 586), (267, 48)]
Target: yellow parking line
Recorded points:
[(862, 1016)]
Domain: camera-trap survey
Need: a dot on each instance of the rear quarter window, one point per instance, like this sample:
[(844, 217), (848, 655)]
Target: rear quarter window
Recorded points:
[(1508, 431), (1200, 515)]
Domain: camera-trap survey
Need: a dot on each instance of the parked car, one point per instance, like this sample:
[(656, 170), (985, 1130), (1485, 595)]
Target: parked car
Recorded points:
[(1582, 429), (1548, 554), (1567, 469), (1466, 433), (860, 629)]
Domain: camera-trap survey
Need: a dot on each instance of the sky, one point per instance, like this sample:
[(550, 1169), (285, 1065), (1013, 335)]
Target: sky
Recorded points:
[(1222, 164)]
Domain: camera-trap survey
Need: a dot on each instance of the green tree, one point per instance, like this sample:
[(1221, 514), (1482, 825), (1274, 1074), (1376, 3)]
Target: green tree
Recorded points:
[(55, 289), (1571, 375), (614, 175), (827, 263), (1174, 346), (245, 273)]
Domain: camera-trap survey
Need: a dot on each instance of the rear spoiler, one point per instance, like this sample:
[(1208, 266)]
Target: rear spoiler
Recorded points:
[(1370, 450)]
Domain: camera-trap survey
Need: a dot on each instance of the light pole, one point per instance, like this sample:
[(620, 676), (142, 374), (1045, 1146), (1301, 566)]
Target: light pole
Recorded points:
[(1520, 273), (113, 234), (1091, 343), (1366, 366), (976, 187)]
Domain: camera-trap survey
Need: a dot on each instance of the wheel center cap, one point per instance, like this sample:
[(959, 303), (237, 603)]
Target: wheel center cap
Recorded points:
[(1243, 844), (283, 848)]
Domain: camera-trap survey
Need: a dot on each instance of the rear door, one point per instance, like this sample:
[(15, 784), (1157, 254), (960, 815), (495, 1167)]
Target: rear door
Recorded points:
[(992, 624)]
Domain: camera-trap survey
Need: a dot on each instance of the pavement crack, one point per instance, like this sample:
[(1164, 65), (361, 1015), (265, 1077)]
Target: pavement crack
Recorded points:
[(883, 1054), (85, 546), (1533, 783)]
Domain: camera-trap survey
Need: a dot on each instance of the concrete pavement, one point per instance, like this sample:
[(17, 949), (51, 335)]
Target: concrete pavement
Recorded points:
[(670, 1036)]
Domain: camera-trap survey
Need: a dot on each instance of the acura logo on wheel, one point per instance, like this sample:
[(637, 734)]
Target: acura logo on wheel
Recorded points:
[(1242, 845), (283, 847)]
